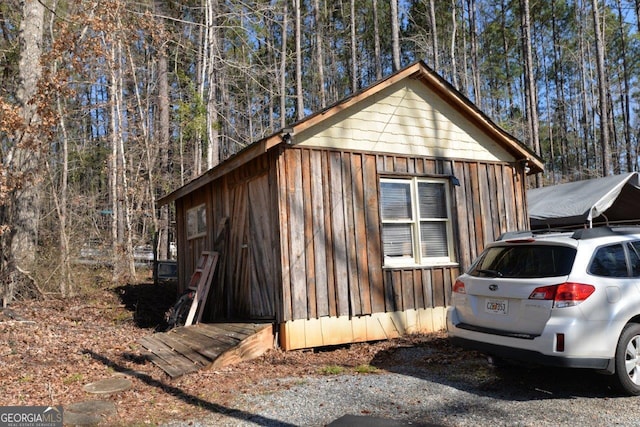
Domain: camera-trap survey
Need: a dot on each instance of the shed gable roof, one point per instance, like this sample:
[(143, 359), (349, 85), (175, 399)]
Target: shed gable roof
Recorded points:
[(419, 71)]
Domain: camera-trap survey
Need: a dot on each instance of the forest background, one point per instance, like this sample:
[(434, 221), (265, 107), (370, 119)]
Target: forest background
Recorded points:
[(107, 105)]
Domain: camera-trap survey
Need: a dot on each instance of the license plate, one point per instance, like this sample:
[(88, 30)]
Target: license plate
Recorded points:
[(497, 306)]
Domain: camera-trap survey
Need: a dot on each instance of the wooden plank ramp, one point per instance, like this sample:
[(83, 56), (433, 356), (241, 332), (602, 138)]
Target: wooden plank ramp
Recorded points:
[(207, 345)]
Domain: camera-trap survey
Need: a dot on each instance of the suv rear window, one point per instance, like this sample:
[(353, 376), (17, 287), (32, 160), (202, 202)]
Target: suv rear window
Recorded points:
[(526, 261)]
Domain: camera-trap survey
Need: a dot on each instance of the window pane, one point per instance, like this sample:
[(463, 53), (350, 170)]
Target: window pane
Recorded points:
[(202, 219), (395, 200), (196, 221), (526, 261), (634, 258), (609, 261), (191, 223), (433, 200), (433, 239), (396, 239)]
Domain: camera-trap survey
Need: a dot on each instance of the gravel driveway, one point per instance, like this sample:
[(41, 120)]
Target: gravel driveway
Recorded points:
[(422, 386)]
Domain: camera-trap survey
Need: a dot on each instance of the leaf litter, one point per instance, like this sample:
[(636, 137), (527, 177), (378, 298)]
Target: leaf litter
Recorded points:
[(51, 349)]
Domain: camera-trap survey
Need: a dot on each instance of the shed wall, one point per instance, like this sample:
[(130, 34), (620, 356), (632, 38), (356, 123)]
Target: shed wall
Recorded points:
[(332, 263), (242, 227)]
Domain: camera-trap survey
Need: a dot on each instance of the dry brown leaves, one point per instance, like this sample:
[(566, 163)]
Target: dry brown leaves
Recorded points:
[(50, 349)]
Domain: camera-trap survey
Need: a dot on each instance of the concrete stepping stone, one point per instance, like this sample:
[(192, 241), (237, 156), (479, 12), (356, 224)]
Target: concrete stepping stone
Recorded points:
[(108, 386), (88, 413)]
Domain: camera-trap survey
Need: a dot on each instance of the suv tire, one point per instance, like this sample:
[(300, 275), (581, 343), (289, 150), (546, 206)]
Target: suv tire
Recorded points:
[(627, 361)]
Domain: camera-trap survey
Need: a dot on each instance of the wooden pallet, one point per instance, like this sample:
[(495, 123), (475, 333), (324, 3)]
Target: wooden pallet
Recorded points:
[(191, 348)]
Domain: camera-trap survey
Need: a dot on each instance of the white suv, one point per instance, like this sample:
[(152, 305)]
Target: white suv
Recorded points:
[(563, 299)]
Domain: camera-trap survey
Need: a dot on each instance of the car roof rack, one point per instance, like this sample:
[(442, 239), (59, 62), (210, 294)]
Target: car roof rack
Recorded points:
[(529, 234), (510, 235), (592, 233), (579, 234)]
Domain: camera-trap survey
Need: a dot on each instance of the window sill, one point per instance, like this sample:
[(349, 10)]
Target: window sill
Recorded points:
[(419, 266)]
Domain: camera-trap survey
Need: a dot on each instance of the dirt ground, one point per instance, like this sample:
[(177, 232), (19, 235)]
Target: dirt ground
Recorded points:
[(51, 348)]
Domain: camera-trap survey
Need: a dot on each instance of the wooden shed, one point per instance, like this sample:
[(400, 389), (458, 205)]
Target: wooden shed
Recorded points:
[(352, 224)]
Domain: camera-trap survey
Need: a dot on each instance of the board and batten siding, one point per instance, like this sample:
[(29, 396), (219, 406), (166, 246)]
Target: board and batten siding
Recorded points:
[(189, 250), (332, 259), (303, 240), (241, 208)]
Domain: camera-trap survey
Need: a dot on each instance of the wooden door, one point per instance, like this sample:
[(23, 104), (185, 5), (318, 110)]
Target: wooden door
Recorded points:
[(250, 278)]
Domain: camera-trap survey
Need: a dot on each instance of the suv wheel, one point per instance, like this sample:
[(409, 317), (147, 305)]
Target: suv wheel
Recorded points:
[(628, 360)]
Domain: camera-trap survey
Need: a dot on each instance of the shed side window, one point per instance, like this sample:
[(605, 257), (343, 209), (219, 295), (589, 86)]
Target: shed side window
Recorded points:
[(416, 221), (196, 222)]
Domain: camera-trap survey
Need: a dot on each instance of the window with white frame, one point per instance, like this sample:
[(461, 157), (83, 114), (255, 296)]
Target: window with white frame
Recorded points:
[(416, 221)]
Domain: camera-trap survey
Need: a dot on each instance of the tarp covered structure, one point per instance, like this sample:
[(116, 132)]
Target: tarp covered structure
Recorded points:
[(612, 199)]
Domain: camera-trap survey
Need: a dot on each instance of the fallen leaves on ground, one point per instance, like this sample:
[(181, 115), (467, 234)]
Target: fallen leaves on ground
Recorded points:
[(50, 349)]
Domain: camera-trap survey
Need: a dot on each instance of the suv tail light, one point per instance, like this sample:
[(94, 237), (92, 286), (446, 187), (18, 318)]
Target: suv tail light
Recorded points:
[(563, 295), (458, 287)]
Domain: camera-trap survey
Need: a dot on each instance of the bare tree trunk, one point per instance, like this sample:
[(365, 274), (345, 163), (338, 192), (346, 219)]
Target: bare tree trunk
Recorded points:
[(550, 129), (473, 40), (150, 152), (354, 50), (202, 68), (320, 52), (283, 67), (124, 225), (434, 35), (626, 90), (113, 177), (66, 283), (60, 197), (299, 92), (505, 47), (454, 29), (333, 68), (602, 92), (272, 72), (560, 97), (122, 256), (213, 136), (161, 149), (530, 84), (465, 85), (24, 156), (162, 223), (376, 41), (395, 35), (587, 132)]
